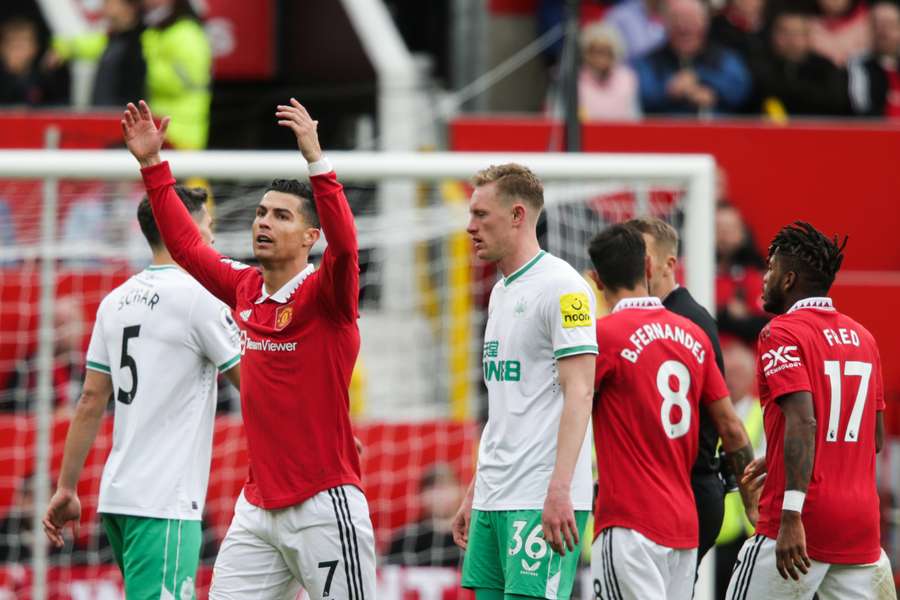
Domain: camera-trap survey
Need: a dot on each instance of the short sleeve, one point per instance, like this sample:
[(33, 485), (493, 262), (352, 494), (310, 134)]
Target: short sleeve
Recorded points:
[(714, 387), (98, 354), (781, 362), (571, 311), (215, 333), (879, 384), (605, 366)]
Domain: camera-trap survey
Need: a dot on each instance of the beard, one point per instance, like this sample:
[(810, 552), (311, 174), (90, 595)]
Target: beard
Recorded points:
[(773, 302)]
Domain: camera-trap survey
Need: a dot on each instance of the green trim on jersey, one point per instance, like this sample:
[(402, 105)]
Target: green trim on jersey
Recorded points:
[(158, 558), (575, 350), (227, 365), (507, 551), (521, 271), (161, 268), (95, 366)]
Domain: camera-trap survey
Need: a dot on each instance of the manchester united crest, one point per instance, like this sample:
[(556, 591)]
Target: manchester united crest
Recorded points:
[(283, 317)]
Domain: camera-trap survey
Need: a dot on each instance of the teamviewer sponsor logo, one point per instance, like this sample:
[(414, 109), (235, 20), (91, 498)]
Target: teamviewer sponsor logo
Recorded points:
[(264, 345), (779, 359)]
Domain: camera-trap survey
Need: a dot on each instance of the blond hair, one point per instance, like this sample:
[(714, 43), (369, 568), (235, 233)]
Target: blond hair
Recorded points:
[(513, 181), (664, 235)]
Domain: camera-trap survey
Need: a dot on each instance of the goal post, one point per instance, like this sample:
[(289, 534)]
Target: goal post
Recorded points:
[(71, 214), (696, 171)]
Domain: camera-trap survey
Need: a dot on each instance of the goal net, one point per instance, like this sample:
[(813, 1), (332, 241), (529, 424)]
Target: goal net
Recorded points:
[(69, 235)]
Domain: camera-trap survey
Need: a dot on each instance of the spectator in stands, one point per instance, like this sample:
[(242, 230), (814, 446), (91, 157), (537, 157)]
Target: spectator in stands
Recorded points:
[(121, 69), (607, 88), (793, 78), (68, 368), (179, 70), (429, 542), (689, 74), (841, 30), (740, 27), (739, 278), (740, 375), (24, 78), (640, 24), (875, 77)]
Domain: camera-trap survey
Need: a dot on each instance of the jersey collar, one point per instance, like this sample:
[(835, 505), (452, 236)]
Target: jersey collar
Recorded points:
[(646, 302), (288, 289), (821, 303), (521, 270)]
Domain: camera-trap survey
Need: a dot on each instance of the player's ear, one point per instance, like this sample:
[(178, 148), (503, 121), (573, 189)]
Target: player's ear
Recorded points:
[(596, 279), (672, 262), (311, 236), (648, 268), (519, 213), (788, 281)]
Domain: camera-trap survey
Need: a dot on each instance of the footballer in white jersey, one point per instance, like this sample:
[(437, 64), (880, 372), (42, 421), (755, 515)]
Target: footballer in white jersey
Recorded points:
[(163, 339), (522, 517), (159, 342)]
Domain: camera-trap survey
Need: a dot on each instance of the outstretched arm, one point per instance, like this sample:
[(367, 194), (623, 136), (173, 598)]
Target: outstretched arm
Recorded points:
[(339, 269), (65, 507), (177, 227)]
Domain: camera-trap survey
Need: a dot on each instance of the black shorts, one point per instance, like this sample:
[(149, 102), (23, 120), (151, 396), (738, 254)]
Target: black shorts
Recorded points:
[(709, 494)]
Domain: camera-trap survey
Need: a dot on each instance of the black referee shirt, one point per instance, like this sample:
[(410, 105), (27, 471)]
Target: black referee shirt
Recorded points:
[(680, 302)]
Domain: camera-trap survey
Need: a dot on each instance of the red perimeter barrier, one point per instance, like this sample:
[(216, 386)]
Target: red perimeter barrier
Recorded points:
[(841, 177), (394, 458)]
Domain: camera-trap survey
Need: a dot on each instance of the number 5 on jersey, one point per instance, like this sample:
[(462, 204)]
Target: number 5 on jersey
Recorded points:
[(129, 363)]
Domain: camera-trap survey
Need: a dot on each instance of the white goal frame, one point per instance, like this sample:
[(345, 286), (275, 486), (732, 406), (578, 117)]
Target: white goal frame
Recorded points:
[(696, 172)]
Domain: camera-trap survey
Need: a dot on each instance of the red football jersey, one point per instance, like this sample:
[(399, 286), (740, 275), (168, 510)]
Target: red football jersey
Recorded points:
[(299, 347), (813, 348), (653, 371)]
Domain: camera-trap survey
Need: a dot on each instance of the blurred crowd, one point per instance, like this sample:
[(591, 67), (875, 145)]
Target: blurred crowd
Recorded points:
[(153, 49), (750, 57)]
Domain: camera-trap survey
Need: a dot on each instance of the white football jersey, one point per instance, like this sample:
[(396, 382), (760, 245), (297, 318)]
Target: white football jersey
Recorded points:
[(163, 339), (543, 312)]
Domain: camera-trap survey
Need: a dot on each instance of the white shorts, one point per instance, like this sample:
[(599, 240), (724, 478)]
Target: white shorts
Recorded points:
[(625, 565), (324, 545), (755, 577)]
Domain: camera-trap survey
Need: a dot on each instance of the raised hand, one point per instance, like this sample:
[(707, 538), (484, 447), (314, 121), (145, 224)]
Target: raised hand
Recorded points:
[(64, 509), (298, 120), (141, 135)]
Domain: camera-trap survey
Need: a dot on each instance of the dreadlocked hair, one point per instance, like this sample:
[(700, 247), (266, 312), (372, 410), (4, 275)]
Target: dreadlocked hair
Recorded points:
[(809, 253)]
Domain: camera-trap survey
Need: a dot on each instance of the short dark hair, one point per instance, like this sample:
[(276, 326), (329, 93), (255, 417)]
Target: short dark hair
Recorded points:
[(193, 199), (302, 191), (808, 252), (618, 254)]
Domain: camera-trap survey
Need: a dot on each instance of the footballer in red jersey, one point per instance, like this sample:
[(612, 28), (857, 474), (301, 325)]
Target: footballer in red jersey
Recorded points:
[(654, 370), (302, 518), (821, 391)]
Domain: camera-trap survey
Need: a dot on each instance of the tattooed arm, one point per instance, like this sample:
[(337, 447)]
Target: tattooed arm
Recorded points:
[(738, 450), (799, 452)]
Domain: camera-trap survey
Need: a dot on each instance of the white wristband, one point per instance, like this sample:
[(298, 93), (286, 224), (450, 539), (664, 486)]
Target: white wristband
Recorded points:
[(793, 500), (320, 167)]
